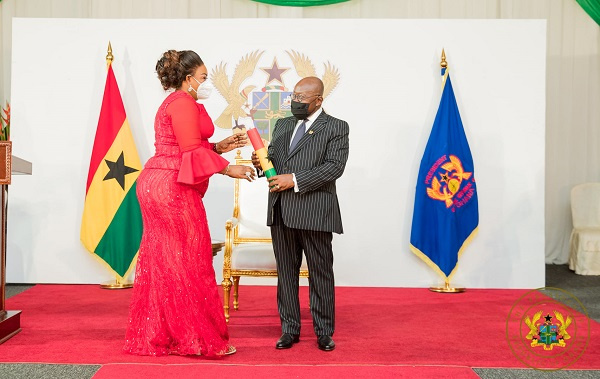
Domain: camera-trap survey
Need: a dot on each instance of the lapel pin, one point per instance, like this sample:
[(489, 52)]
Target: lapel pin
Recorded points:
[(310, 132)]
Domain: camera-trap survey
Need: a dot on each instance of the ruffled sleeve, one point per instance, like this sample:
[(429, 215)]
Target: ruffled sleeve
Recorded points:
[(198, 161), (199, 164)]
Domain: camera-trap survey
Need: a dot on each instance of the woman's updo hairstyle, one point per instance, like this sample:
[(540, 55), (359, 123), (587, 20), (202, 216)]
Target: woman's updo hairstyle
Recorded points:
[(174, 66)]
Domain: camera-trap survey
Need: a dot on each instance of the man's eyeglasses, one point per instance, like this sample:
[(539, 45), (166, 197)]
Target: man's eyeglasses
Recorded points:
[(301, 97)]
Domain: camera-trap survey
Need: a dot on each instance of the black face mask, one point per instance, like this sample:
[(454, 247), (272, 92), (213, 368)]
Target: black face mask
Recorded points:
[(300, 110)]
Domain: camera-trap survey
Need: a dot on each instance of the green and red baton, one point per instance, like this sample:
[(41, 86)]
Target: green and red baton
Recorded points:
[(261, 152)]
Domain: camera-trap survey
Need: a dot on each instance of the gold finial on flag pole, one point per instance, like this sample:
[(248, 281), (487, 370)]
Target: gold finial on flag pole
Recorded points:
[(443, 63), (444, 69), (109, 56)]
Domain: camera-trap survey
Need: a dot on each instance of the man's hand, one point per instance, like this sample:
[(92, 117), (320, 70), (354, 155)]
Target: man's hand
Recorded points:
[(279, 183), (256, 161)]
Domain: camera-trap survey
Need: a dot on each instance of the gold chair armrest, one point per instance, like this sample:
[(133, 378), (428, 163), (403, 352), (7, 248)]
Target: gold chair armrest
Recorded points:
[(230, 225)]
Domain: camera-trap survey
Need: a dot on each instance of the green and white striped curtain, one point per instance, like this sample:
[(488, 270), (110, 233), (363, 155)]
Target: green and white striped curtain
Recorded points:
[(298, 3)]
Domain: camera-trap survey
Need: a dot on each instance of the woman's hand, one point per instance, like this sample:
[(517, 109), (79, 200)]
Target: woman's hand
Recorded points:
[(239, 172), (231, 142), (256, 161)]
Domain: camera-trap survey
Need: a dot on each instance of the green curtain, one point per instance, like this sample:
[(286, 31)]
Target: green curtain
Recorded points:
[(298, 3), (592, 7)]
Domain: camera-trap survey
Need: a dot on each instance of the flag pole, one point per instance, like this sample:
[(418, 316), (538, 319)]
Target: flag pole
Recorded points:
[(444, 69), (446, 288), (109, 56), (118, 283)]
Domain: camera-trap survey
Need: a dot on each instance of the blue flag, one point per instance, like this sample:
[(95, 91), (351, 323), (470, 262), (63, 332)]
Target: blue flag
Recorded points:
[(446, 214)]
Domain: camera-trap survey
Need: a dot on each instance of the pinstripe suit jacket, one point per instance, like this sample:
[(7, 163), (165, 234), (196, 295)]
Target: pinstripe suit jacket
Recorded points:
[(317, 161)]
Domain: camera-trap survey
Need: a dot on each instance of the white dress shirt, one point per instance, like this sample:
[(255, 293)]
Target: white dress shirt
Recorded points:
[(309, 121)]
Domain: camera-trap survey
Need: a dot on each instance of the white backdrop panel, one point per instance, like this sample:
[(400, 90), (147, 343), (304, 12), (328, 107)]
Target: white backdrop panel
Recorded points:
[(389, 91)]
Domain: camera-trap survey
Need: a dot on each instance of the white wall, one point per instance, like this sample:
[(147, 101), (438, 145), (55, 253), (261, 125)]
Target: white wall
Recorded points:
[(388, 92)]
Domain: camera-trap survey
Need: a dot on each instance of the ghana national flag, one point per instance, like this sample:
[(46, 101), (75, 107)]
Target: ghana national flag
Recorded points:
[(111, 227)]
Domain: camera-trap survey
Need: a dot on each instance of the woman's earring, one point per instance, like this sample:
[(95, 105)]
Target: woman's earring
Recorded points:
[(190, 89)]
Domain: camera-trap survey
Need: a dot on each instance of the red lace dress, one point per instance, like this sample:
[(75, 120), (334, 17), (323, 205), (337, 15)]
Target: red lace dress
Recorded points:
[(175, 307)]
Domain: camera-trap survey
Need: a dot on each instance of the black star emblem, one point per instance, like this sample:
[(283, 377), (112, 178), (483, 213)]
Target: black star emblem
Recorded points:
[(274, 72), (118, 170), (548, 318)]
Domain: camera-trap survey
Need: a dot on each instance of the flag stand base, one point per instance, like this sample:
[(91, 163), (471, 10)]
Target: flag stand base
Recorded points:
[(116, 285), (10, 324), (447, 289)]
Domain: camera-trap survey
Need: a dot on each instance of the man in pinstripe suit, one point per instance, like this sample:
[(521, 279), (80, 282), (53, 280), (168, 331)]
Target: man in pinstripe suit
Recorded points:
[(309, 152)]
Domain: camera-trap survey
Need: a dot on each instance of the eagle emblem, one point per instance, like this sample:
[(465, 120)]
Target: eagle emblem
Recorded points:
[(449, 183), (232, 92), (547, 333), (251, 104)]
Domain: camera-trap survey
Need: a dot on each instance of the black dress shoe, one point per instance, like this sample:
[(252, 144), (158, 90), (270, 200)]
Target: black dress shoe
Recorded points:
[(287, 340), (326, 343)]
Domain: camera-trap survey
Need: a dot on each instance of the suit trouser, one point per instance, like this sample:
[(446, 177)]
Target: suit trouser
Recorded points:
[(288, 244)]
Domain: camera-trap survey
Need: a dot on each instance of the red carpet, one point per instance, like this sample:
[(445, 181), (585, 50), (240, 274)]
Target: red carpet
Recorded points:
[(194, 371), (375, 326)]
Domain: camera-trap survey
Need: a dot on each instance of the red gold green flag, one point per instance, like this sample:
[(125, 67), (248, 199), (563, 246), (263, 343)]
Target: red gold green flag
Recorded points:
[(111, 227)]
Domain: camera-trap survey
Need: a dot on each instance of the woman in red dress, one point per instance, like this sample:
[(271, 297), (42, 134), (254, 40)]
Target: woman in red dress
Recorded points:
[(175, 307)]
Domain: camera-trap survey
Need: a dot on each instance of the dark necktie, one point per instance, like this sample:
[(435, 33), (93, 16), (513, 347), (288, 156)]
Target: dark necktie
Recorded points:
[(299, 133)]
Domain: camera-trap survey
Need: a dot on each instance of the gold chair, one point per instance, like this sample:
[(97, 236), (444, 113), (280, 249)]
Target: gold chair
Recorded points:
[(248, 247)]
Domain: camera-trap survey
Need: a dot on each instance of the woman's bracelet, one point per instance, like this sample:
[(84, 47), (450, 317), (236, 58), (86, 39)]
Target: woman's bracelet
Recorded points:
[(214, 148), (226, 170)]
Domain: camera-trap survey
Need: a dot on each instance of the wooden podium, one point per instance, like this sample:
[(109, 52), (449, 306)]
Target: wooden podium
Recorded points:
[(10, 321)]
